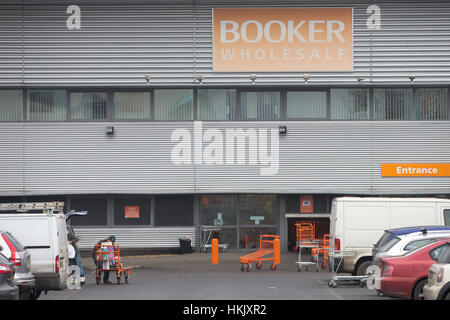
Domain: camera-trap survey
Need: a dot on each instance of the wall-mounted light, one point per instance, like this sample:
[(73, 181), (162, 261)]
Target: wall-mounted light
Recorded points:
[(147, 78), (306, 77), (109, 130), (360, 79), (253, 77), (411, 77), (282, 130), (199, 78)]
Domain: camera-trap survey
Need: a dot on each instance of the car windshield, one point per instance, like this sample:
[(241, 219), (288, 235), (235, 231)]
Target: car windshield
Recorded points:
[(390, 244), (17, 245), (444, 256), (387, 236)]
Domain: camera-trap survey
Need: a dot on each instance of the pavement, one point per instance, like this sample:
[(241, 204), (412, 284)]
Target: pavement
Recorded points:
[(193, 277)]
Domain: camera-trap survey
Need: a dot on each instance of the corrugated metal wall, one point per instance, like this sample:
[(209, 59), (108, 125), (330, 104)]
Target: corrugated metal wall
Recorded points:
[(323, 157), (121, 42), (135, 237)]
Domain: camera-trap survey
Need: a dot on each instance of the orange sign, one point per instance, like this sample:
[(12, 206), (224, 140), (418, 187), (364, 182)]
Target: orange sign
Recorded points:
[(306, 204), (415, 170), (287, 39), (131, 211)]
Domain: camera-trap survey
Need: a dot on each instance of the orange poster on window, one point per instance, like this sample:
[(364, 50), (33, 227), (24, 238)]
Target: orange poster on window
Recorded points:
[(131, 211), (306, 204), (282, 39)]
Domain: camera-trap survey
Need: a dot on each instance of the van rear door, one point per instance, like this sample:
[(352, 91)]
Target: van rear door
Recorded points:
[(62, 245)]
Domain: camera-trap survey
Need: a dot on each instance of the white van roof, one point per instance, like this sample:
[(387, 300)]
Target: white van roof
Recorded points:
[(392, 199)]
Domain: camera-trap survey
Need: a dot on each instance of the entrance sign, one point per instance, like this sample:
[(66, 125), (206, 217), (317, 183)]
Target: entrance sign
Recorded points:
[(283, 39), (415, 170)]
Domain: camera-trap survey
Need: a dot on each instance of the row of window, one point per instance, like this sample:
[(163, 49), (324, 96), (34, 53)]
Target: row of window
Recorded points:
[(225, 104)]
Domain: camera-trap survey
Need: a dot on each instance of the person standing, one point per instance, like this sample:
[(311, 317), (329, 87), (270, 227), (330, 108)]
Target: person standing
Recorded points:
[(73, 239)]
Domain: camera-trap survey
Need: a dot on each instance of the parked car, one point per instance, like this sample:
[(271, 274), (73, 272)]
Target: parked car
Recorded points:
[(407, 242), (12, 249), (45, 236), (356, 223), (405, 276), (391, 234), (438, 285), (8, 289)]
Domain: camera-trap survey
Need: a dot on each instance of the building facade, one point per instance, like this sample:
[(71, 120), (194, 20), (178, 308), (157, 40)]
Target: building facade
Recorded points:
[(159, 117)]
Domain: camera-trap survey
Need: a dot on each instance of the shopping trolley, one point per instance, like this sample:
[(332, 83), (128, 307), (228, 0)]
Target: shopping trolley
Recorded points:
[(108, 259), (206, 235), (305, 231), (335, 279), (324, 249), (312, 244), (267, 252)]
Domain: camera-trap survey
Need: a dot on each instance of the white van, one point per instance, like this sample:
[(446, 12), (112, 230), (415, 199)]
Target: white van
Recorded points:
[(356, 223), (45, 236)]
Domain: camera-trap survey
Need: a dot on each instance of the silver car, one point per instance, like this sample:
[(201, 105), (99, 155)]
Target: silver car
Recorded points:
[(404, 243), (8, 289), (12, 249)]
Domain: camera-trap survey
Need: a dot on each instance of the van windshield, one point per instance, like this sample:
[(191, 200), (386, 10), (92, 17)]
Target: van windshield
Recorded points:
[(387, 236)]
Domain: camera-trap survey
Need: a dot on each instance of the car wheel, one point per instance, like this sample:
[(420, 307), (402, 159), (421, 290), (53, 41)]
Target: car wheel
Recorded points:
[(447, 296), (34, 294), (362, 268), (25, 295), (418, 290)]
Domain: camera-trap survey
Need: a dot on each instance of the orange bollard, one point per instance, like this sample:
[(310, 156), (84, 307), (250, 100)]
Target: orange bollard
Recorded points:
[(215, 251), (276, 251)]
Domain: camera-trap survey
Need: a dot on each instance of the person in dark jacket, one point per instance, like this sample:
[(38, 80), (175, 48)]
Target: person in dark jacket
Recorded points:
[(99, 264)]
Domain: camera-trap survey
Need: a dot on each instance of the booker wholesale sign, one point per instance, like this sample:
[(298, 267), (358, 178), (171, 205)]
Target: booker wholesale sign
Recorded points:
[(415, 170), (288, 39)]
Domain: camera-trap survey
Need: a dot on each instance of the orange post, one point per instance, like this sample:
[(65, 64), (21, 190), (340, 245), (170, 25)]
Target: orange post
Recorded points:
[(276, 251), (215, 251)]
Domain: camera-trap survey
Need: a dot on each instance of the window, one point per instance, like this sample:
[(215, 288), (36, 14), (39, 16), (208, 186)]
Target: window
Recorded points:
[(444, 256), (415, 244), (131, 105), (11, 105), (217, 207), (250, 236), (88, 105), (431, 104), (96, 208), (306, 105), (389, 245), (260, 105), (46, 105), (254, 207), (174, 104), (447, 217), (216, 104), (174, 211), (434, 254), (132, 211), (349, 104), (393, 104)]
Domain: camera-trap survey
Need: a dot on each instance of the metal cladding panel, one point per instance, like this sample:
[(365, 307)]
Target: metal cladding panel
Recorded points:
[(11, 50), (135, 237), (331, 157), (11, 158), (414, 40), (119, 42), (410, 142), (116, 45), (81, 158)]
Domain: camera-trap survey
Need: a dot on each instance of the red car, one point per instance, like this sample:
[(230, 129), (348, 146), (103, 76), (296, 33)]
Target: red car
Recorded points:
[(405, 276)]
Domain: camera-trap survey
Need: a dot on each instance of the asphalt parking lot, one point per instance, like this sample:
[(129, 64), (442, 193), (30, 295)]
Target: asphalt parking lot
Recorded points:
[(193, 277)]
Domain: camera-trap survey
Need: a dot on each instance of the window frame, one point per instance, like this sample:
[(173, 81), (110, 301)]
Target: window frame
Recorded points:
[(88, 90)]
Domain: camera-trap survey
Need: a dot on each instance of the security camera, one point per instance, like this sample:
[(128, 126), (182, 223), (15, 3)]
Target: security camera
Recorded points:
[(360, 79), (412, 77), (147, 78), (253, 77)]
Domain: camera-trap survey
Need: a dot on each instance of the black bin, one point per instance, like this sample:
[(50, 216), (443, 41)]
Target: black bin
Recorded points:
[(185, 245)]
